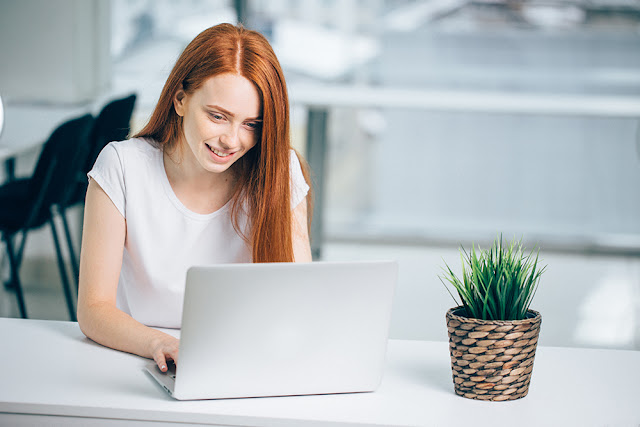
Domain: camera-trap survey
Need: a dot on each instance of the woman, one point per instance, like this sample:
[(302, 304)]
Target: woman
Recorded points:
[(210, 179)]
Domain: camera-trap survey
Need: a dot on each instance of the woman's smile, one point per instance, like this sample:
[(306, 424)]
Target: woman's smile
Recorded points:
[(219, 154)]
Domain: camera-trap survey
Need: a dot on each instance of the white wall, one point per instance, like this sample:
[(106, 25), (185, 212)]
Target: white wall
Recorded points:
[(54, 51)]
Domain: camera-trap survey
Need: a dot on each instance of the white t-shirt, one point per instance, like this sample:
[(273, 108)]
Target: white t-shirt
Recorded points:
[(163, 237)]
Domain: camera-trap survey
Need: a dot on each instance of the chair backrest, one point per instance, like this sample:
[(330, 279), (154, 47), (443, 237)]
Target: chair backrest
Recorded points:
[(112, 124), (63, 154)]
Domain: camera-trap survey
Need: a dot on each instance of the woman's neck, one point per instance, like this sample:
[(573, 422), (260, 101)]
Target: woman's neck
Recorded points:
[(199, 190)]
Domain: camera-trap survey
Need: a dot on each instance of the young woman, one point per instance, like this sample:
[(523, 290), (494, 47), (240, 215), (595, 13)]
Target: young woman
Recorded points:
[(210, 179)]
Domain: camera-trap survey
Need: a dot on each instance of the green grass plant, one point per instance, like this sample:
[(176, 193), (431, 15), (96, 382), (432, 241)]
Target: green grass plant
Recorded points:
[(496, 284)]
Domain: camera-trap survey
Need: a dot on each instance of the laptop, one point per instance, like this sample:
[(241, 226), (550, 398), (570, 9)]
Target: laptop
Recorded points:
[(282, 329)]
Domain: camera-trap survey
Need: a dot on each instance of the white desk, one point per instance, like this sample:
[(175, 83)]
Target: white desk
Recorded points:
[(54, 375)]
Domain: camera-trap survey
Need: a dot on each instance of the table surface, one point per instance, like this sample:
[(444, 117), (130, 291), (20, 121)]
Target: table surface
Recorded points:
[(51, 368)]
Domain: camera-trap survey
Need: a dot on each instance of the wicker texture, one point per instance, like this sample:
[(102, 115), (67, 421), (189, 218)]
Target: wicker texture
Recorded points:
[(492, 359)]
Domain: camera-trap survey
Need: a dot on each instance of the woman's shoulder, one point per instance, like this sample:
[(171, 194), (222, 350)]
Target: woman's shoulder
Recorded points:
[(130, 154), (294, 161), (135, 146), (299, 185)]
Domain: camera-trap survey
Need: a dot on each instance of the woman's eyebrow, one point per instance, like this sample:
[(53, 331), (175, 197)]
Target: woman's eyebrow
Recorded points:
[(230, 114), (219, 108)]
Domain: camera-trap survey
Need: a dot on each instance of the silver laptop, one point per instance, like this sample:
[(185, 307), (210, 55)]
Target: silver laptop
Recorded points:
[(282, 329)]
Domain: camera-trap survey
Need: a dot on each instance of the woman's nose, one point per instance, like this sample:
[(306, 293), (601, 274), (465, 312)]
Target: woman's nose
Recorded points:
[(230, 138)]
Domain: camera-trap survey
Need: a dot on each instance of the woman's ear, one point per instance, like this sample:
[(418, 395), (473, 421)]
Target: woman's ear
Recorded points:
[(179, 101)]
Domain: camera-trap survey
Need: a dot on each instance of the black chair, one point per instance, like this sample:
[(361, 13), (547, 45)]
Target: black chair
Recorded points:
[(112, 124), (26, 204)]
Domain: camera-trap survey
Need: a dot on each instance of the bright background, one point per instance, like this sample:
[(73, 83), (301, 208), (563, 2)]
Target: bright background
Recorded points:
[(402, 182)]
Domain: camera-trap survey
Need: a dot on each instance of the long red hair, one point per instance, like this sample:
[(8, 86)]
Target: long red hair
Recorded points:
[(264, 182)]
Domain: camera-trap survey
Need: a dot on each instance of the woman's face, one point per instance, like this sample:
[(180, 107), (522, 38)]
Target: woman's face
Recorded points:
[(222, 120)]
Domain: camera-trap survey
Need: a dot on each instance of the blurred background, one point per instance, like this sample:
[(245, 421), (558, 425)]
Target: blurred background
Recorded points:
[(428, 124)]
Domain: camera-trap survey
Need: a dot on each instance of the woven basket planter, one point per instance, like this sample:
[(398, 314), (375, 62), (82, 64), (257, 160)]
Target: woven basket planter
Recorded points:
[(492, 359)]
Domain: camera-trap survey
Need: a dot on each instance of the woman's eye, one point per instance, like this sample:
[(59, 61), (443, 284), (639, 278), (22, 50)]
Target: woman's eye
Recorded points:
[(216, 116), (253, 125)]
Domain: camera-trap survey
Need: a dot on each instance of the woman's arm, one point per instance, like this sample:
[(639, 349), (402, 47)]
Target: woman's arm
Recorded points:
[(300, 233), (100, 263)]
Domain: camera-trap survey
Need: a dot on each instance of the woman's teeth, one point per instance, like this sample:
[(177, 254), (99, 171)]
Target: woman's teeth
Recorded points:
[(219, 153)]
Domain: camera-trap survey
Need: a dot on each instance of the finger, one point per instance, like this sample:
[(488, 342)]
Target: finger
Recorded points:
[(161, 361), (173, 355)]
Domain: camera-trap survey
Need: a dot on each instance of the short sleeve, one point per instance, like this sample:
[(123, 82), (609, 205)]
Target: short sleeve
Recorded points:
[(299, 187), (108, 173)]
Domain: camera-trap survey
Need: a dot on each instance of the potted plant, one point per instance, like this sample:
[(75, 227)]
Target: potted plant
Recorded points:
[(493, 334)]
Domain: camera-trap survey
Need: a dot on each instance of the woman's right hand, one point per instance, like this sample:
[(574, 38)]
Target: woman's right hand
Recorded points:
[(164, 348)]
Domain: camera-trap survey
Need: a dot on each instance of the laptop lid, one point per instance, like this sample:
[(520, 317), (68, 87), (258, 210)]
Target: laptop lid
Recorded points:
[(280, 329)]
